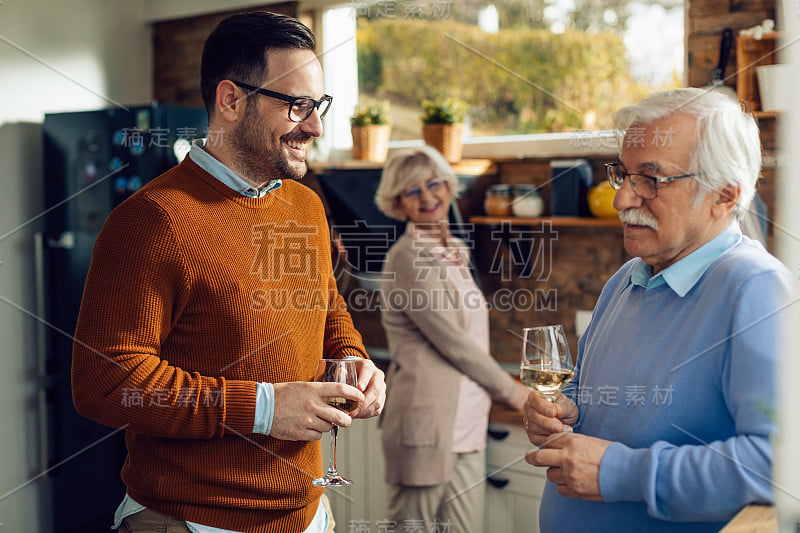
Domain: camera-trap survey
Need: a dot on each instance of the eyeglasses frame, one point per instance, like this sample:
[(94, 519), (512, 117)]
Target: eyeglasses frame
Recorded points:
[(611, 167), (290, 99), (414, 192)]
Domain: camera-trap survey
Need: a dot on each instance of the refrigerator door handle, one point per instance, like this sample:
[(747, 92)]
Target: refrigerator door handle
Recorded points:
[(41, 349)]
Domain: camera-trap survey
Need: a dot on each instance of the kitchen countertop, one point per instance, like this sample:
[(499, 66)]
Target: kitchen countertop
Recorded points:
[(753, 519)]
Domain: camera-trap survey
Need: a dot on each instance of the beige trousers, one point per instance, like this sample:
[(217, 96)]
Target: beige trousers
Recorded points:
[(455, 506), (149, 521)]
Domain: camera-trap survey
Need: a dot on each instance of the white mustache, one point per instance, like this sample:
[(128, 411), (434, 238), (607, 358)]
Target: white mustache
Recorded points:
[(638, 217)]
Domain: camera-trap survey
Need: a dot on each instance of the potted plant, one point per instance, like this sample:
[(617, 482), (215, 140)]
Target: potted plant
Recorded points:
[(371, 128), (443, 126)]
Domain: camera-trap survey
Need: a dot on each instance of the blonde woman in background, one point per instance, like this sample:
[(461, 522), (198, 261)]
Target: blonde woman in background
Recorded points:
[(442, 379)]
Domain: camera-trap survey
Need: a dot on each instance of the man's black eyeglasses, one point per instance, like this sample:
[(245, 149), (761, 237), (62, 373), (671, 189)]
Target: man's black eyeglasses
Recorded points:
[(300, 107), (644, 186)]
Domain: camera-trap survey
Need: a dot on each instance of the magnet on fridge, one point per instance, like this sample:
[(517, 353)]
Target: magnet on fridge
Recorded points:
[(121, 185), (134, 184)]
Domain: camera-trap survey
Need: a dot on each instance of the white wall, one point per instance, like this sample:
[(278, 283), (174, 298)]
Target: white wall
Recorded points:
[(21, 506), (68, 56), (787, 458), (54, 56)]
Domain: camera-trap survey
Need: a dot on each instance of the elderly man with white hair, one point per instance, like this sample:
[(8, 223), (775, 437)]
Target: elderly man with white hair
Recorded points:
[(666, 425)]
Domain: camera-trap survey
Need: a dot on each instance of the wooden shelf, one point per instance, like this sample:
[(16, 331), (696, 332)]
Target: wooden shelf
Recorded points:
[(465, 167), (750, 54), (564, 222)]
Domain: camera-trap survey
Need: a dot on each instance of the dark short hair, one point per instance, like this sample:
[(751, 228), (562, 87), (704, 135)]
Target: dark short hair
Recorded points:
[(237, 47)]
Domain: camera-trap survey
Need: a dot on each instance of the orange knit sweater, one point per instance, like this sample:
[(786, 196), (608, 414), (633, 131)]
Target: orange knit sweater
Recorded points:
[(194, 294)]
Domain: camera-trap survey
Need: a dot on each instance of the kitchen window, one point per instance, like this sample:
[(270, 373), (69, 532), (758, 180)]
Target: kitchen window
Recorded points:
[(534, 72)]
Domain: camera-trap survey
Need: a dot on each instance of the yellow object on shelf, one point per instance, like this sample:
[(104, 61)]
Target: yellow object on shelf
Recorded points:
[(601, 200)]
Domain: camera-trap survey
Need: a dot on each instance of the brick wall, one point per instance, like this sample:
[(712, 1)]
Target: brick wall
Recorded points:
[(177, 47), (570, 267), (542, 274)]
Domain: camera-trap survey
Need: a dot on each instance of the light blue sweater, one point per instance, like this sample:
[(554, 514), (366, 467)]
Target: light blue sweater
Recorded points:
[(678, 371)]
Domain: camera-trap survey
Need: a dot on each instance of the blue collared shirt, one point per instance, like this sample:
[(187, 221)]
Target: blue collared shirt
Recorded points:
[(682, 275), (225, 175)]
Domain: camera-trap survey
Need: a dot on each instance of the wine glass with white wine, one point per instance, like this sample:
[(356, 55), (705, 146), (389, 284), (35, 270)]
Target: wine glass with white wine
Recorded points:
[(337, 371), (546, 364)]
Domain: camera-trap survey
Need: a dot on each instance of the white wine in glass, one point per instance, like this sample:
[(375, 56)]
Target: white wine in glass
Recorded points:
[(546, 364), (337, 371)]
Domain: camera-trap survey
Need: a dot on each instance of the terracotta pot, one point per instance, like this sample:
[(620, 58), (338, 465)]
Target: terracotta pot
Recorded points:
[(371, 143), (446, 138)]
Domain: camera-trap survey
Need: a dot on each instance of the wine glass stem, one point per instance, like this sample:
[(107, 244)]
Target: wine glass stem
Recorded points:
[(332, 466)]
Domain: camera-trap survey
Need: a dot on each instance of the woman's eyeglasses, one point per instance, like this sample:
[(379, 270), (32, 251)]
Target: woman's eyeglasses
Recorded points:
[(432, 185)]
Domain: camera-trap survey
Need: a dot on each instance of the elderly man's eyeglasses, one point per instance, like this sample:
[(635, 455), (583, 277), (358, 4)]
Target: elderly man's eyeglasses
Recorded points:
[(300, 107), (644, 186)]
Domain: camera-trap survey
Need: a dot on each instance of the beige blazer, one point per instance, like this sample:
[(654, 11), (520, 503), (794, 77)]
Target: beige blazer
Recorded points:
[(430, 351)]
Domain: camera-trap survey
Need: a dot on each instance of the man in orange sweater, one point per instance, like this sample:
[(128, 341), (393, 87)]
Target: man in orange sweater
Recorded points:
[(211, 298)]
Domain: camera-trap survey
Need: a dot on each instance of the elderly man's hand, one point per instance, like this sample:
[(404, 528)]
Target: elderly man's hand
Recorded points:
[(574, 464), (543, 419), (370, 382)]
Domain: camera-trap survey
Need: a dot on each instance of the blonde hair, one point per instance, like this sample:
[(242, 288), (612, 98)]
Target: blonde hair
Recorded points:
[(407, 168)]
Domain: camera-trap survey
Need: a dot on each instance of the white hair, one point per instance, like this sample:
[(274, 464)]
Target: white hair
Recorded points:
[(728, 148), (407, 168)]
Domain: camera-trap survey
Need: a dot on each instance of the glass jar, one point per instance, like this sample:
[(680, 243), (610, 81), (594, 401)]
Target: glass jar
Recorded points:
[(498, 200), (527, 202)]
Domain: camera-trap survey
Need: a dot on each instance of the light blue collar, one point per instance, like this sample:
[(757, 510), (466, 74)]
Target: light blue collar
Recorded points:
[(685, 273), (225, 175)]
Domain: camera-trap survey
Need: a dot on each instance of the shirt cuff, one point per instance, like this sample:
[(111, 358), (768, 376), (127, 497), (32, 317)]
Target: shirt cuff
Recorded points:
[(265, 408)]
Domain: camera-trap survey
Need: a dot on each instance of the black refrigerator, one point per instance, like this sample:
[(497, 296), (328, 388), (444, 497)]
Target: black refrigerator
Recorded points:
[(93, 161)]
